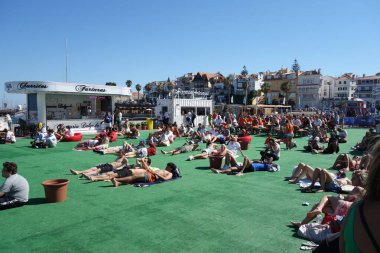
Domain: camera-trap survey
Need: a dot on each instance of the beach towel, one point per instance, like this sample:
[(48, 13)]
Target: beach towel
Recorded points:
[(155, 182)]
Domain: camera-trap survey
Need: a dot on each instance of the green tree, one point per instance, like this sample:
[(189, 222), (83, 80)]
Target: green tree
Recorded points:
[(138, 88), (159, 89), (285, 88), (148, 88), (128, 83), (265, 88)]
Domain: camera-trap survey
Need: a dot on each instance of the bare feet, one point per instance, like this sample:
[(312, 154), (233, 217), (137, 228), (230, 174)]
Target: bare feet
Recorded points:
[(239, 174), (313, 213), (74, 172), (215, 171), (115, 182), (293, 181), (320, 190)]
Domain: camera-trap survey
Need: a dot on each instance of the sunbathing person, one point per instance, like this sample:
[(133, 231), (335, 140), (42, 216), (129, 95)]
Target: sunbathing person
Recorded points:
[(332, 147), (248, 166), (230, 152), (102, 168), (102, 143), (346, 163), (272, 152), (187, 147), (300, 172), (331, 205), (331, 182), (146, 175), (210, 149)]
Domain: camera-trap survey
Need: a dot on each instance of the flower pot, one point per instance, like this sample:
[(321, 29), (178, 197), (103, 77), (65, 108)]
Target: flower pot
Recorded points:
[(244, 145), (55, 190), (216, 161)]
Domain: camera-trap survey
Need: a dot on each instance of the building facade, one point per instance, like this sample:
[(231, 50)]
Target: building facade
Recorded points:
[(368, 90), (275, 80)]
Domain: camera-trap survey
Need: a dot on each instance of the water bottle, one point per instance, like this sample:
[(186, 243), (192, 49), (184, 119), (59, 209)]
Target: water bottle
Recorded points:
[(319, 219)]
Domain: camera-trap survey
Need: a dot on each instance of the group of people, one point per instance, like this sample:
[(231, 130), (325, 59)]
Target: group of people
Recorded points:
[(342, 212)]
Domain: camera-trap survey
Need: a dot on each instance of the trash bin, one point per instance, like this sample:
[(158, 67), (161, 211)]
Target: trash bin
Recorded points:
[(216, 161), (149, 123), (55, 190)]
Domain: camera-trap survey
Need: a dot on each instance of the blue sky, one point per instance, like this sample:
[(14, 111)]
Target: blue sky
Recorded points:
[(145, 40)]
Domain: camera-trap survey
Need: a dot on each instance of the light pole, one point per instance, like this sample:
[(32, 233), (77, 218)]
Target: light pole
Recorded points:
[(329, 84)]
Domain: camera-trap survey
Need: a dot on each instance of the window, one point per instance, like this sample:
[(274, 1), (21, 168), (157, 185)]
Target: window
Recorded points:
[(344, 82), (185, 110)]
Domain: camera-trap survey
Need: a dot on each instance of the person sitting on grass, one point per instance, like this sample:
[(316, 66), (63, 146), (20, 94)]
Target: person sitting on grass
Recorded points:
[(146, 175), (248, 166), (230, 152), (187, 147), (8, 137), (47, 141), (15, 190), (210, 149), (102, 168), (313, 144), (272, 152), (331, 205), (342, 135), (332, 147)]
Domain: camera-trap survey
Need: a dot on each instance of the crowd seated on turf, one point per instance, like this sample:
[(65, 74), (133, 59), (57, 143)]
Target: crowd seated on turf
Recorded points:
[(99, 143), (110, 132), (147, 175), (248, 166), (7, 136), (166, 137)]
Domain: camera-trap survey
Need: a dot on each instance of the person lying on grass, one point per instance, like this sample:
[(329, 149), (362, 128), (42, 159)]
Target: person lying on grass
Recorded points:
[(334, 183), (210, 149), (332, 205), (346, 163), (146, 175), (103, 168), (100, 143), (119, 172), (187, 147), (248, 166)]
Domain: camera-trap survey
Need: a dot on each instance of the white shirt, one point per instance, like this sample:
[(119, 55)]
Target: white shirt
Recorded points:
[(233, 146), (10, 137)]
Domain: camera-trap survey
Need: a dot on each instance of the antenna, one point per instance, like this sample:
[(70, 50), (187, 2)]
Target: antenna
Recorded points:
[(66, 58)]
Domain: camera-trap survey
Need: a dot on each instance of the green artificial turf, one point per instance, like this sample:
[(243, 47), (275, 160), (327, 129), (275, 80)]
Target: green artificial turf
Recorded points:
[(202, 212)]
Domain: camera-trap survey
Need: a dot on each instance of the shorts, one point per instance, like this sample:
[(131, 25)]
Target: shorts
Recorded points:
[(332, 187), (290, 136), (208, 151), (149, 177), (9, 202), (142, 152), (104, 168), (124, 172)]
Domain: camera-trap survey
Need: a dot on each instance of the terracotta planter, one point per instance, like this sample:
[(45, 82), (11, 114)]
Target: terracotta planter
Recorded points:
[(244, 145), (216, 161), (55, 190)]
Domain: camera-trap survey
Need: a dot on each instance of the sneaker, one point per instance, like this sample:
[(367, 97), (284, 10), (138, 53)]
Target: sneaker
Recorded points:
[(191, 158)]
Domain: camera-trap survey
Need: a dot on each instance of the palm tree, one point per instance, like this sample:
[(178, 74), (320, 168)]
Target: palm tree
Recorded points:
[(159, 89), (213, 82), (285, 87), (148, 88), (227, 85), (170, 85), (265, 88), (128, 83), (138, 88), (245, 87)]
